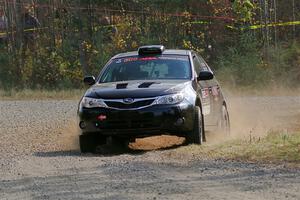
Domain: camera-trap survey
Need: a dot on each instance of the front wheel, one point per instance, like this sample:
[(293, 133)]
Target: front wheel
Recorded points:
[(89, 142), (119, 143), (196, 136)]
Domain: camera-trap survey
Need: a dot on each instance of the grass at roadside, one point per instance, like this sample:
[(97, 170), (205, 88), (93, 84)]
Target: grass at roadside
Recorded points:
[(276, 147), (40, 94)]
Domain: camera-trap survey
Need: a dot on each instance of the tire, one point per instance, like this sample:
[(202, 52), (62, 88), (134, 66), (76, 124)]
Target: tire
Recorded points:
[(203, 129), (196, 136), (224, 122), (89, 142), (119, 143)]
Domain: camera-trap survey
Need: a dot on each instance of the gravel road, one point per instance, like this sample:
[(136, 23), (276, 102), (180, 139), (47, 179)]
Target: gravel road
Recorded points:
[(40, 158)]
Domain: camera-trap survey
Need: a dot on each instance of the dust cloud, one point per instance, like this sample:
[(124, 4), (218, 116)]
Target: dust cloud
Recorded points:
[(259, 115), (69, 136)]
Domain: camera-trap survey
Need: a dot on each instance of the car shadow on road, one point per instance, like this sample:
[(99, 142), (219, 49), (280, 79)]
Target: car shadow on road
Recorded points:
[(103, 151), (138, 147)]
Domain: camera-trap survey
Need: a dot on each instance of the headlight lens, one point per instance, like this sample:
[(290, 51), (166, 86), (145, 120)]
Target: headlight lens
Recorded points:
[(92, 103), (170, 99)]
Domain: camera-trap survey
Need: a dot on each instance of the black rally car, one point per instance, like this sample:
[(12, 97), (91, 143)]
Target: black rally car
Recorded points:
[(148, 92)]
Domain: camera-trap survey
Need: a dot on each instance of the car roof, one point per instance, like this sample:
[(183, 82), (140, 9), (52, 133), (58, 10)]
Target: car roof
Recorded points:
[(165, 52)]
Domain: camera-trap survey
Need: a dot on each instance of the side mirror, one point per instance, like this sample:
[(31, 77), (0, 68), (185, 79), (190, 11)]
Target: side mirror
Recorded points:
[(205, 75), (89, 80)]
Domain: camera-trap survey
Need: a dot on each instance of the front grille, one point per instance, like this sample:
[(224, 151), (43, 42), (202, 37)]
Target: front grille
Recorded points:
[(129, 124), (137, 104)]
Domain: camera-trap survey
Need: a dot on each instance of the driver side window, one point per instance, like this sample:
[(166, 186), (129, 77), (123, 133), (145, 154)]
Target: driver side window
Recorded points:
[(197, 64), (203, 64)]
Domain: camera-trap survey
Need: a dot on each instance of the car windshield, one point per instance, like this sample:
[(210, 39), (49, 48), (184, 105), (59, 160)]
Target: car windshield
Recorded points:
[(147, 68)]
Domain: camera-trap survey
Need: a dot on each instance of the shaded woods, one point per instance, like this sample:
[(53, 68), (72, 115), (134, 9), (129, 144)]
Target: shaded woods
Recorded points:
[(52, 44)]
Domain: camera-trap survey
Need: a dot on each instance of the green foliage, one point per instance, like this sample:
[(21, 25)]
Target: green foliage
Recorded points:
[(6, 72), (285, 64), (242, 65), (245, 10), (80, 38)]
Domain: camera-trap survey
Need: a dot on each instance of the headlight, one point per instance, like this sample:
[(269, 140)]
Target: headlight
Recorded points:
[(92, 103), (170, 99)]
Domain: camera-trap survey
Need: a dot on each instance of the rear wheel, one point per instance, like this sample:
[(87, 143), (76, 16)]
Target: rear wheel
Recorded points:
[(89, 142), (203, 130), (196, 136), (224, 122)]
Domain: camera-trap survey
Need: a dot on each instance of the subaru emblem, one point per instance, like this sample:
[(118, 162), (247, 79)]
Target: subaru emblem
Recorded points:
[(128, 100)]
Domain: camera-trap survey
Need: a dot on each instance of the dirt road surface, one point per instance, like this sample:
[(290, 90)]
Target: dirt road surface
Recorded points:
[(40, 158)]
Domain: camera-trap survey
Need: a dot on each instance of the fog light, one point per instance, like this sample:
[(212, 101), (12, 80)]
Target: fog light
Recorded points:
[(82, 125), (179, 122)]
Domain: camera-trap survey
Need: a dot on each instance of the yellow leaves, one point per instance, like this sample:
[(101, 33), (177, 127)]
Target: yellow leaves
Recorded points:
[(263, 64), (134, 44), (210, 1), (88, 47), (58, 41), (186, 14), (118, 43), (188, 45), (201, 36), (121, 44)]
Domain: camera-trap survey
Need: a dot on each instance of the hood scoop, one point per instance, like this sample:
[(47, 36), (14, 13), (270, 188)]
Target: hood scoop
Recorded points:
[(145, 84), (121, 86)]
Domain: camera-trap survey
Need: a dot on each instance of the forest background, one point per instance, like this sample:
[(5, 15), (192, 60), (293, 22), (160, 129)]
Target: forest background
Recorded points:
[(53, 44)]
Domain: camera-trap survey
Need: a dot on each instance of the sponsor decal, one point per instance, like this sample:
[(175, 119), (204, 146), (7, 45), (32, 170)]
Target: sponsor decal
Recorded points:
[(131, 59), (215, 91), (205, 93), (148, 58)]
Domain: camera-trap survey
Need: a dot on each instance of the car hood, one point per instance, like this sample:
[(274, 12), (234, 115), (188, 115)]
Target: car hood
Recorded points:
[(136, 89)]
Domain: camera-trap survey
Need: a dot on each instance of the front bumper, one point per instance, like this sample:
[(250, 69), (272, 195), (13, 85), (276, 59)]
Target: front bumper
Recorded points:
[(154, 120)]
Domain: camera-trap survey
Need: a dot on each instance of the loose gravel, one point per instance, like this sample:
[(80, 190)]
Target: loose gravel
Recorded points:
[(40, 159)]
